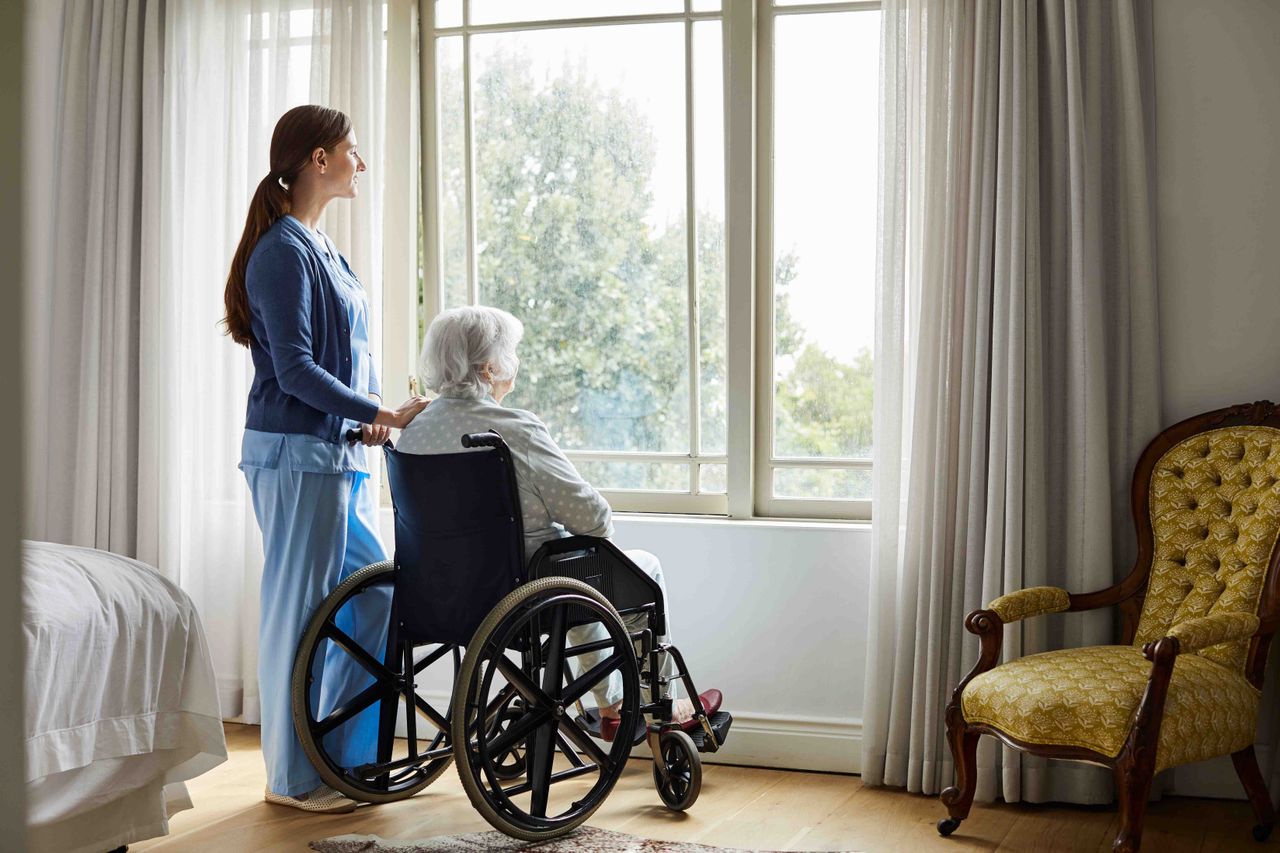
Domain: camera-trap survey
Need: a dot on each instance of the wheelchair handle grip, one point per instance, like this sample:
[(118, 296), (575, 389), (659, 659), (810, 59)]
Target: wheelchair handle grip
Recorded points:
[(354, 435), (483, 439)]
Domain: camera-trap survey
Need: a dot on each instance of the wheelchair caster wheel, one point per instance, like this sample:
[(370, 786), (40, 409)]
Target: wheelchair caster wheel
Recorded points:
[(683, 782), (947, 825), (1261, 832)]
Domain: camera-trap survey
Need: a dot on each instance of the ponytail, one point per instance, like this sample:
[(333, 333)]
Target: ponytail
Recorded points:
[(270, 202), (298, 133)]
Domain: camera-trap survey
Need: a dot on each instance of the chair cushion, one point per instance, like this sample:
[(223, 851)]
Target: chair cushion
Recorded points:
[(1215, 516), (1087, 698)]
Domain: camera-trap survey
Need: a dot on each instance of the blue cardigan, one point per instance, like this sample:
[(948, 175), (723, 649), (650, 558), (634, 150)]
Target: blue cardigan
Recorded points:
[(301, 344)]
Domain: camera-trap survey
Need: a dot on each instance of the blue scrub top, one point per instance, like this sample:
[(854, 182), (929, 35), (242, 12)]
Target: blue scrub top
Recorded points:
[(300, 452)]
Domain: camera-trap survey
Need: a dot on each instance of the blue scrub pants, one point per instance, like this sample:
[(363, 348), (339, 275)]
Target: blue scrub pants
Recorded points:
[(317, 529)]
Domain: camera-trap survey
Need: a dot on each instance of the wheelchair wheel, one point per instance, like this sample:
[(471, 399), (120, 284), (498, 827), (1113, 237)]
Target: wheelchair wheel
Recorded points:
[(516, 660), (682, 782), (512, 763), (350, 738)]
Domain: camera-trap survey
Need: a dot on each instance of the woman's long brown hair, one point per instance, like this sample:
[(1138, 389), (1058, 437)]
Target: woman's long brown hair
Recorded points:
[(298, 133)]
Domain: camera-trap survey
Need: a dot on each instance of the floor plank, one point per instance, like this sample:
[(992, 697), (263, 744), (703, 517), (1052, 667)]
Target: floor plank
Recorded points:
[(739, 806)]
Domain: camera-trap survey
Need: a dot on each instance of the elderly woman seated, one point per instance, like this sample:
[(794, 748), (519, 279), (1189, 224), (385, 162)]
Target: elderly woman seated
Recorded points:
[(469, 359)]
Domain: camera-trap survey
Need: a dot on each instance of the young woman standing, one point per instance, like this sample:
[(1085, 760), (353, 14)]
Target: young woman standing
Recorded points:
[(294, 302)]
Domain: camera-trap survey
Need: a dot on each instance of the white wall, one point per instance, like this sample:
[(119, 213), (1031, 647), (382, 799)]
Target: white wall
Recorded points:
[(1217, 76), (1217, 79)]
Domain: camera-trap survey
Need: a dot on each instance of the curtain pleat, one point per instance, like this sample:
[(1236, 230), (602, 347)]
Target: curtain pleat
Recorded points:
[(1015, 327)]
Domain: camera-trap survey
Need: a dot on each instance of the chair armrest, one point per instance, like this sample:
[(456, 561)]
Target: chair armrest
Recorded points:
[(1215, 628), (1032, 601)]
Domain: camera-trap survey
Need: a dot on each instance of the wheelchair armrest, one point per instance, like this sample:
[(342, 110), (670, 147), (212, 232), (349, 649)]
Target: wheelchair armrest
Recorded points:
[(631, 583)]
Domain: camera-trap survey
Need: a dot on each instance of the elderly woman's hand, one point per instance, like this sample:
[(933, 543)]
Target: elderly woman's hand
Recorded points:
[(400, 418)]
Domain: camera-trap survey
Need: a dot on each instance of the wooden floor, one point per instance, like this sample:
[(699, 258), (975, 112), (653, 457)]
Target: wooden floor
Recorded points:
[(739, 807)]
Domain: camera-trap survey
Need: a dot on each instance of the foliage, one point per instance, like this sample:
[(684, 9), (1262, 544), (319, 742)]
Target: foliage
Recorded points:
[(562, 196)]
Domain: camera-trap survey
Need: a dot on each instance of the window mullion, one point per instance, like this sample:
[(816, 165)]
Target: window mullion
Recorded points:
[(432, 286), (740, 220), (691, 258), (469, 167)]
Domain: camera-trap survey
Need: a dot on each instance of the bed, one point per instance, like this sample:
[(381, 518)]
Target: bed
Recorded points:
[(121, 702)]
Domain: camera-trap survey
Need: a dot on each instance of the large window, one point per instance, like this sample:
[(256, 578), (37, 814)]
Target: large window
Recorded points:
[(694, 280)]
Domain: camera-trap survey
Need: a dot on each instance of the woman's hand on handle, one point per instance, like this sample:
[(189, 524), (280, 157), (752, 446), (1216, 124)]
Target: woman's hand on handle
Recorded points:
[(399, 418), (374, 435)]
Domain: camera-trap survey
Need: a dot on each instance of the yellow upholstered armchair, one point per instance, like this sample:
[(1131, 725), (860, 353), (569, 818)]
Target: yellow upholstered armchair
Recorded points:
[(1199, 610)]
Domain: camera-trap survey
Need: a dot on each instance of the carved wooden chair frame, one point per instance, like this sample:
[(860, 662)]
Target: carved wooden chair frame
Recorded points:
[(1134, 766)]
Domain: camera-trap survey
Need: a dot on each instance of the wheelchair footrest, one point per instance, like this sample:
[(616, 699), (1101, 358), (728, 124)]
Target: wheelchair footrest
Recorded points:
[(720, 723), (590, 722)]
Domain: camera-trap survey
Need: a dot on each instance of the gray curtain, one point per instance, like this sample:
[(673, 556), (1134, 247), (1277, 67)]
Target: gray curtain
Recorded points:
[(92, 202), (1017, 373)]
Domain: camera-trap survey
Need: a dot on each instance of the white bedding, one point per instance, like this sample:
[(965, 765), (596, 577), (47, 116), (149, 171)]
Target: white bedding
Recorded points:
[(121, 702)]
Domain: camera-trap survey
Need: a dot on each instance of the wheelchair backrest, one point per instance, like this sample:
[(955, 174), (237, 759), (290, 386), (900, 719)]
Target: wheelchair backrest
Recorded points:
[(459, 538)]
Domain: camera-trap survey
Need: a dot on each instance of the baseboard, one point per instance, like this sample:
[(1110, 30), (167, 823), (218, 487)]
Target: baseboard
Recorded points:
[(829, 744)]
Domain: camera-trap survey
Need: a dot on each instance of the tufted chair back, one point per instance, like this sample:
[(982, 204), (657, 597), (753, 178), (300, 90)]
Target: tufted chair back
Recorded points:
[(1214, 512)]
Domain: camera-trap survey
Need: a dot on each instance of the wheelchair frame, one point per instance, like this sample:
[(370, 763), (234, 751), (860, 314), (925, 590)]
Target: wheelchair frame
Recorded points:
[(518, 732)]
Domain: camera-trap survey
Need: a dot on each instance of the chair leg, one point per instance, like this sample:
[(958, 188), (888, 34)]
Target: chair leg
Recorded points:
[(1246, 762), (964, 750), (1133, 787)]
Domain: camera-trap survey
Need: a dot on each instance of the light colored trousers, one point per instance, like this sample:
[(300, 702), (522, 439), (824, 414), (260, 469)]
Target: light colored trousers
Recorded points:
[(316, 530), (609, 691)]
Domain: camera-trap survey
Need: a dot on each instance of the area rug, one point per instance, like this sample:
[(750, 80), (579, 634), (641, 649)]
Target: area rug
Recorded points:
[(588, 839)]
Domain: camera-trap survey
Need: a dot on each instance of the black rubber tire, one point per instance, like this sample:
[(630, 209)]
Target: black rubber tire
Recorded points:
[(680, 789), (463, 685), (367, 576), (947, 825)]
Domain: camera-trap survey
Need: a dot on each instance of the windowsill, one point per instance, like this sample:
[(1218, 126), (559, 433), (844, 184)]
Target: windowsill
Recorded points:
[(387, 515), (787, 523)]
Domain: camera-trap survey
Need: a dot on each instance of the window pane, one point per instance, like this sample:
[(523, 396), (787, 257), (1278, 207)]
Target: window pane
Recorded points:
[(708, 173), (448, 13), (822, 483), (452, 185), (650, 476), (824, 235), (706, 5), (713, 479), (503, 11), (580, 205)]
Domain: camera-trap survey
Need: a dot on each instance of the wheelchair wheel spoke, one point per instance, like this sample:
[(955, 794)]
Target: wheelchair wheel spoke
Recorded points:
[(542, 752), (339, 637), (567, 749), (517, 731), (340, 715), (591, 678), (532, 693), (583, 741)]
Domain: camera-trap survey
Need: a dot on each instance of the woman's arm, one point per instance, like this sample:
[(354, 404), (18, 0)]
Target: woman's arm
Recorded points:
[(280, 285), (569, 499)]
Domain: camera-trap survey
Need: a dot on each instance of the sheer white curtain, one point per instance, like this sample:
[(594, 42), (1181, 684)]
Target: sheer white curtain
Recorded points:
[(232, 68), (1017, 374)]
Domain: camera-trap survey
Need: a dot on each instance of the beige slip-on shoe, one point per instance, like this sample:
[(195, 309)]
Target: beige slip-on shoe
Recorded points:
[(323, 800)]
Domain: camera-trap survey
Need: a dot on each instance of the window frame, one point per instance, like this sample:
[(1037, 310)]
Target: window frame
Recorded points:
[(747, 39)]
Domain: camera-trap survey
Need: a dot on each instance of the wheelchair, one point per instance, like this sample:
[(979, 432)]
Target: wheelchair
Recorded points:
[(464, 610)]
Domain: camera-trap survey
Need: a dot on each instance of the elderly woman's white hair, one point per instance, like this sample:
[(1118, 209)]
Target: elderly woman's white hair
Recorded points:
[(462, 343)]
